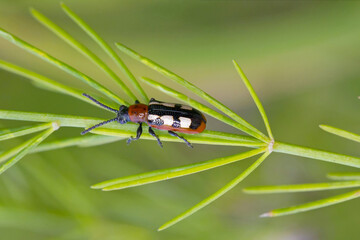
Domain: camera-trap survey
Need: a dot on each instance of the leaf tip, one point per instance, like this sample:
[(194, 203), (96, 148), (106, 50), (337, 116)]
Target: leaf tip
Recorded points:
[(96, 186), (163, 227), (32, 10), (267, 214)]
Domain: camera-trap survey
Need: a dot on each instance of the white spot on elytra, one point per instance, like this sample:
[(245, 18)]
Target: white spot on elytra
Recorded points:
[(152, 103), (186, 107), (152, 117), (185, 122), (168, 120), (168, 104)]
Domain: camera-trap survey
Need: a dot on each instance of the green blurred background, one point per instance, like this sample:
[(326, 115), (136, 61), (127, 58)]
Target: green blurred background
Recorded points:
[(302, 58)]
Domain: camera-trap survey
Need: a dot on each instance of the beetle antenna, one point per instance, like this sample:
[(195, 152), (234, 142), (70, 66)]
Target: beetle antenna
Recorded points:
[(99, 103), (98, 125)]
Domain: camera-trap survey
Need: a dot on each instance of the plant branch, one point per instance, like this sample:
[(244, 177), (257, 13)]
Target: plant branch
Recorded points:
[(255, 132)]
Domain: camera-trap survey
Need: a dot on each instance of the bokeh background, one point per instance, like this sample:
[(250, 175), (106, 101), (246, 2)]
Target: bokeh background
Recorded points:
[(302, 58)]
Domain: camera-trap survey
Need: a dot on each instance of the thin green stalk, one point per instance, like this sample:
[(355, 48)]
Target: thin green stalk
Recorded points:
[(82, 49), (217, 194), (198, 138), (21, 131), (341, 133), (121, 129), (313, 205), (196, 104), (165, 174), (63, 66), (316, 154), (344, 176), (254, 132), (301, 187), (26, 147), (78, 121), (255, 98), (96, 37)]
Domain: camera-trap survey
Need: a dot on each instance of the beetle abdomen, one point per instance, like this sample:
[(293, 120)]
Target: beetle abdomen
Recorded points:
[(175, 117)]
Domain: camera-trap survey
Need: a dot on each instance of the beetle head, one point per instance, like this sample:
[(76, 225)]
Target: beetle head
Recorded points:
[(123, 115)]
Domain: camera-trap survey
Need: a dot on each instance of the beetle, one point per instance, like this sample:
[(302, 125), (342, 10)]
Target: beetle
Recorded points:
[(171, 117)]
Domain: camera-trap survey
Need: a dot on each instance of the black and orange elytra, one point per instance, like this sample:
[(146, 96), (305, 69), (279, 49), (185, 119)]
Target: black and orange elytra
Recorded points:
[(160, 115)]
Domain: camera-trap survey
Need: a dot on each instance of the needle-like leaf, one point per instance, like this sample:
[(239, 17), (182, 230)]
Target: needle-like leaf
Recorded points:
[(96, 37), (313, 205), (26, 147), (341, 133), (21, 131), (82, 49), (165, 174), (82, 141), (301, 187), (49, 84), (255, 98), (63, 66), (317, 154), (344, 176)]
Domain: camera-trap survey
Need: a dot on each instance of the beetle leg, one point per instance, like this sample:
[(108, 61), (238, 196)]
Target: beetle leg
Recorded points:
[(180, 137), (152, 133), (138, 134)]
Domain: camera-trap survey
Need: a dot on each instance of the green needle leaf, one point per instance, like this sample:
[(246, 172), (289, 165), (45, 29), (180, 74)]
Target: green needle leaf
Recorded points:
[(82, 49), (255, 98), (26, 147), (317, 154), (165, 174), (83, 141), (21, 131), (84, 26), (344, 176), (217, 194), (341, 133), (49, 84), (254, 132), (63, 66), (197, 105), (313, 205), (301, 187)]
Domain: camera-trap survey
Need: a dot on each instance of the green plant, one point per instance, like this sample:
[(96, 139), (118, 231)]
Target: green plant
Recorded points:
[(354, 177), (261, 143)]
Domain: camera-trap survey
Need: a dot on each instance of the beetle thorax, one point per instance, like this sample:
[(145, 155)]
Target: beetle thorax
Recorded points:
[(138, 113)]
